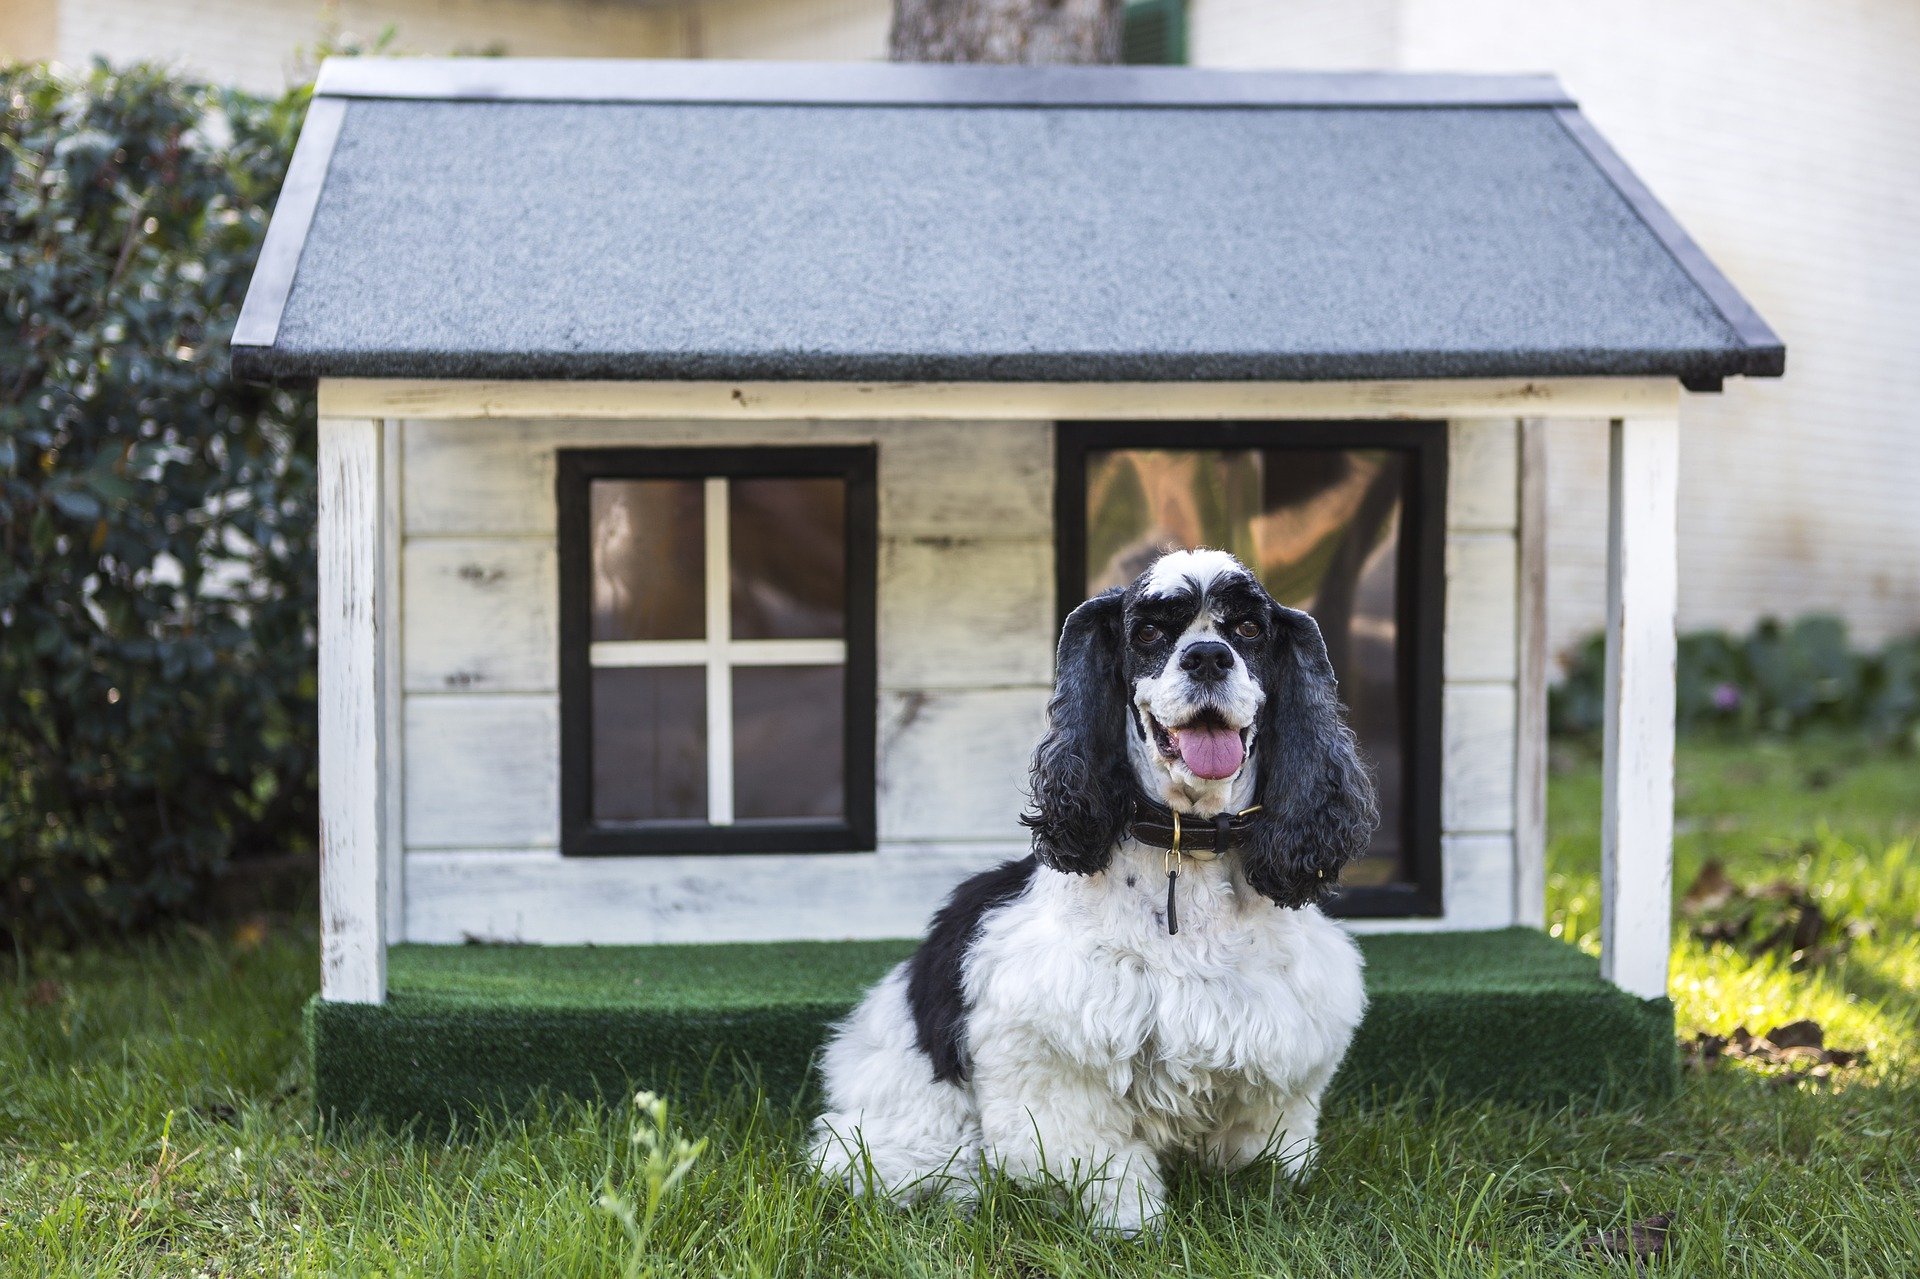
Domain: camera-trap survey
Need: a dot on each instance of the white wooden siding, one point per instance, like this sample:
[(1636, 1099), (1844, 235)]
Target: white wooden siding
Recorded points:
[(965, 615), (521, 896), (1481, 621), (483, 770), (965, 611), (494, 476), (953, 763), (1481, 663), (1483, 457), (481, 615), (1476, 791), (393, 853), (1530, 759)]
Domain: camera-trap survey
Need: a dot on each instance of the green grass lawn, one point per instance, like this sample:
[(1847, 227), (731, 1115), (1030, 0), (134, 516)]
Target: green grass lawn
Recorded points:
[(153, 1119)]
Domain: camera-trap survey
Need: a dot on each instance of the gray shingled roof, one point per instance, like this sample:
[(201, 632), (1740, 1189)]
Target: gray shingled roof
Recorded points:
[(508, 219)]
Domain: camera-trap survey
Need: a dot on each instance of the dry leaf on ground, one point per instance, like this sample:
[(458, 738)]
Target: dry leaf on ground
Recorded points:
[(1642, 1241), (1781, 916), (1796, 1052)]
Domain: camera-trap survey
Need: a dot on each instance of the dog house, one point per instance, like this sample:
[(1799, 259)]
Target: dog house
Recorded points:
[(709, 453)]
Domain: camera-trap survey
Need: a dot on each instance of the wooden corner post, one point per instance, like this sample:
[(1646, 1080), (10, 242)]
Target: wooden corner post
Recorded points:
[(351, 537), (1530, 738), (1636, 841)]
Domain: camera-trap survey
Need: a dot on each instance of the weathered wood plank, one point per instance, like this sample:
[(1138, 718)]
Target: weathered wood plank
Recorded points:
[(1483, 456), (1530, 757), (937, 479), (540, 897), (1477, 886), (481, 615), (1480, 625), (1045, 402), (392, 672), (482, 771), (1636, 839), (981, 480), (956, 613), (467, 478), (353, 742), (953, 765), (1476, 789), (1476, 889), (535, 897)]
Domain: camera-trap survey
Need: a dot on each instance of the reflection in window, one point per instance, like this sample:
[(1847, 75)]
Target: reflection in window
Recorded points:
[(718, 649), (648, 560), (789, 570), (1322, 529), (789, 748), (649, 744)]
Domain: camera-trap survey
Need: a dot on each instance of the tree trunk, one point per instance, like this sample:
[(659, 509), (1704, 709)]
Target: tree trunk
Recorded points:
[(1028, 31)]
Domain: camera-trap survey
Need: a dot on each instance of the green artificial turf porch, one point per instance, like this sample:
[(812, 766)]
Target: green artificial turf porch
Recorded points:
[(1511, 1014)]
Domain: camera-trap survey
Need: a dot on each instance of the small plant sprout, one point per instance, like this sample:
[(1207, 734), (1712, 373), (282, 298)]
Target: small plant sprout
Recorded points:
[(666, 1161)]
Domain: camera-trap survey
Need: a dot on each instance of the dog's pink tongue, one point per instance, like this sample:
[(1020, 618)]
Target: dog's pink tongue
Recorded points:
[(1211, 752)]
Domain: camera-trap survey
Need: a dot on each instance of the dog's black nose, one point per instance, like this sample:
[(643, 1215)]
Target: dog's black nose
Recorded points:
[(1208, 662)]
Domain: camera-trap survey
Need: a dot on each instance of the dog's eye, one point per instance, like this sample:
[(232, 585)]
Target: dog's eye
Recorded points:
[(1146, 633), (1248, 629)]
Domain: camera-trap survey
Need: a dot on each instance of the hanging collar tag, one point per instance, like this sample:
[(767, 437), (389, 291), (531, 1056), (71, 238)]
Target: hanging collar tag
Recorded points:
[(1173, 876), (1223, 833)]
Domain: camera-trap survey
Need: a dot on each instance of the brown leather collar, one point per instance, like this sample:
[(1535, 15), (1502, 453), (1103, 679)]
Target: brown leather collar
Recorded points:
[(1157, 826)]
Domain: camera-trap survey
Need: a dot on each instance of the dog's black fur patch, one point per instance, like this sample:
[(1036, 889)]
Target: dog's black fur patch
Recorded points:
[(934, 994), (1081, 780), (1320, 812)]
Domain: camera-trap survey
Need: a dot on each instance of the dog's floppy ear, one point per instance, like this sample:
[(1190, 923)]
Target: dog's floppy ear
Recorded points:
[(1081, 779), (1317, 805)]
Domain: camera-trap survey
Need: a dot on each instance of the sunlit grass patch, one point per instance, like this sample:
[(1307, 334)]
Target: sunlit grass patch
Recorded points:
[(1830, 816)]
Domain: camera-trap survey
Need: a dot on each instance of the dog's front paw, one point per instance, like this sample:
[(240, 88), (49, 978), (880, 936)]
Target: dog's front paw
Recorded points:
[(1297, 1159), (1125, 1206)]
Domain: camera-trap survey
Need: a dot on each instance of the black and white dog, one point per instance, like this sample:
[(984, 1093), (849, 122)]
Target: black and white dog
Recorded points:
[(1112, 999)]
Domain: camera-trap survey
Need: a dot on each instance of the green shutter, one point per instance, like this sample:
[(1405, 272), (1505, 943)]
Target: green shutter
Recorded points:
[(1156, 32)]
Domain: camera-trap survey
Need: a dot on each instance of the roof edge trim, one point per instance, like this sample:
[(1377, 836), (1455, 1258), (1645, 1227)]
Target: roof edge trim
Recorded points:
[(273, 272), (1035, 367), (852, 84), (1767, 353)]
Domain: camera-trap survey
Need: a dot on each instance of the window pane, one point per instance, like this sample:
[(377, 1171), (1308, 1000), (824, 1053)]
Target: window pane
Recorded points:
[(789, 743), (789, 558), (649, 743), (649, 559), (1321, 528)]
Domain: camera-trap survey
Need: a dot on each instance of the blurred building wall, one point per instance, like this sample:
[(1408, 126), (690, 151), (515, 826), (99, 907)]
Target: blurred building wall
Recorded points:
[(29, 29), (264, 44), (818, 29)]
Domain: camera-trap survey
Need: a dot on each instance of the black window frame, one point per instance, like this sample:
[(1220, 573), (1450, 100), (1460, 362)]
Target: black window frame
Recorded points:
[(575, 471), (1421, 613)]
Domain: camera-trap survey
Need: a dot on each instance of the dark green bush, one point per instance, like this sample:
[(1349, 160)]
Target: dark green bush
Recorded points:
[(1781, 678), (157, 578)]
